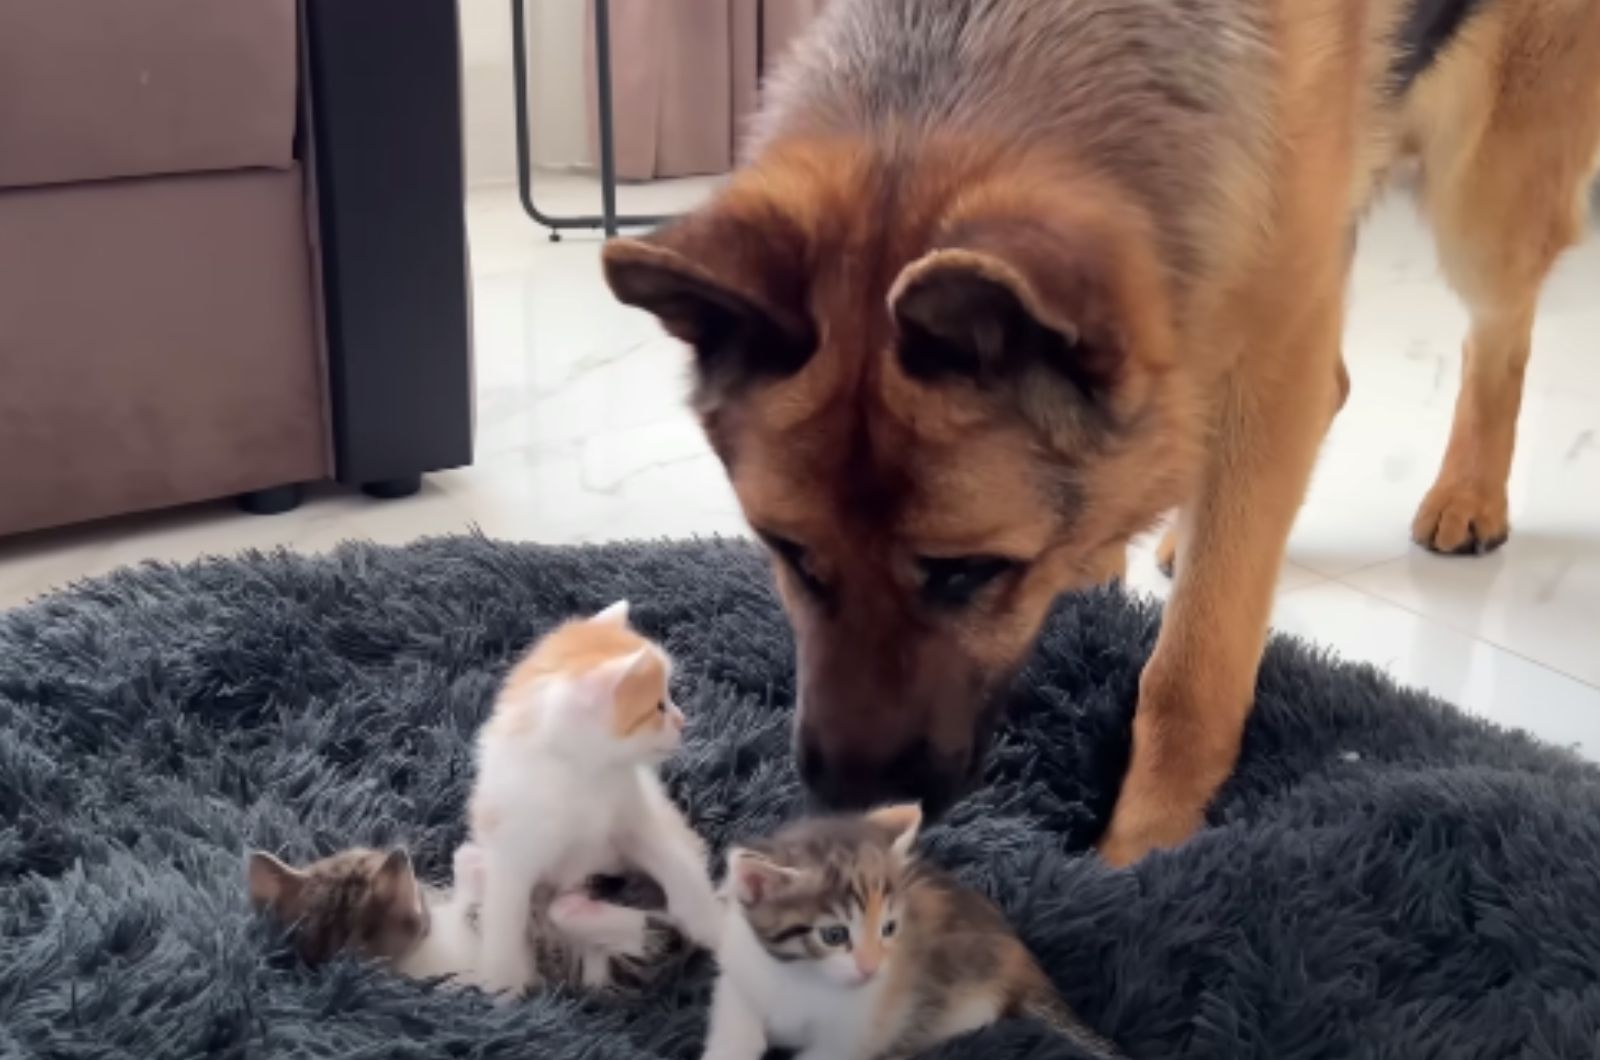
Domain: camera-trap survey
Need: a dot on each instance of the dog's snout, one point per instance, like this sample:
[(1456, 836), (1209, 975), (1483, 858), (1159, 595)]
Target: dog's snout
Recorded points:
[(840, 781)]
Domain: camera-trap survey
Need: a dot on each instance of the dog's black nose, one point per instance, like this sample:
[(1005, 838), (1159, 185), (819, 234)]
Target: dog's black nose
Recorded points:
[(844, 783)]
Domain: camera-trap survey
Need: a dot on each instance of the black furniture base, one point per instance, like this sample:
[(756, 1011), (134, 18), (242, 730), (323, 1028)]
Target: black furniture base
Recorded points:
[(273, 501), (392, 489), (383, 131)]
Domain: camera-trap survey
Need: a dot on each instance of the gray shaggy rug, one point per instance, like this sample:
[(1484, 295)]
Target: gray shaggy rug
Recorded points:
[(1383, 878)]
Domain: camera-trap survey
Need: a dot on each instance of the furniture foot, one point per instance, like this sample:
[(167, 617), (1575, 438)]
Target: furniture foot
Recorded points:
[(273, 501), (390, 489)]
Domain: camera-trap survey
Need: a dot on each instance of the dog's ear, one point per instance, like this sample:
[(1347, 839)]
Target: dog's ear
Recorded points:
[(732, 284), (1001, 298)]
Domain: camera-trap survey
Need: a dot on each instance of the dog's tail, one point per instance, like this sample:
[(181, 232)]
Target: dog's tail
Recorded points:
[(1042, 1004)]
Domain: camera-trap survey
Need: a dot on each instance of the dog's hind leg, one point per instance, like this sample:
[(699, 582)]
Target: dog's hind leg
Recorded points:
[(1505, 187)]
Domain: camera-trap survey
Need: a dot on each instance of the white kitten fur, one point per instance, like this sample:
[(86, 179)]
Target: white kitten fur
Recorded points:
[(451, 946), (761, 1002), (560, 797)]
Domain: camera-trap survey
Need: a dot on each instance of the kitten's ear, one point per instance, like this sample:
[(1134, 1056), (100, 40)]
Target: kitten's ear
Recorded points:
[(756, 878), (605, 679), (903, 821), (395, 885), (272, 884), (615, 615)]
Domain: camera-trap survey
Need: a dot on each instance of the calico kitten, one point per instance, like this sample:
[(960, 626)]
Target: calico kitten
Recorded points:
[(371, 904), (841, 946), (567, 789)]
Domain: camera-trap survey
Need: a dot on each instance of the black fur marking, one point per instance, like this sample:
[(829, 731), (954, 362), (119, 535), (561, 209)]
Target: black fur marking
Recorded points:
[(1428, 28), (789, 934)]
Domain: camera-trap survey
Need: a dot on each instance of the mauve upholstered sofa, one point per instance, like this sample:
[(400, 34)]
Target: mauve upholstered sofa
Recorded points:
[(232, 252)]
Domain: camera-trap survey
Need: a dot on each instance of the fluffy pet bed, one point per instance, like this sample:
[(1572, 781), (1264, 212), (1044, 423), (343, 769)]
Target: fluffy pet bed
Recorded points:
[(1384, 877)]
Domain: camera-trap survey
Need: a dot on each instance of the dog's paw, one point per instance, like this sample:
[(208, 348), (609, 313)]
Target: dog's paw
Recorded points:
[(1135, 831), (1182, 754), (1462, 519)]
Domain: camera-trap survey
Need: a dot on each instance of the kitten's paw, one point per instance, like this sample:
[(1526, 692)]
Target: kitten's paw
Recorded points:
[(499, 988), (505, 980), (574, 906)]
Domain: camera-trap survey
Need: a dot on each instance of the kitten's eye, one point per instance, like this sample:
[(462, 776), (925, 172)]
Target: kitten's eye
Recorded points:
[(834, 935), (954, 581), (797, 560), (889, 928)]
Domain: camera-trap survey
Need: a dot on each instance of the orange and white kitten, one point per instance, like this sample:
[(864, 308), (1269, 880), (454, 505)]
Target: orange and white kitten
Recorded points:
[(567, 786)]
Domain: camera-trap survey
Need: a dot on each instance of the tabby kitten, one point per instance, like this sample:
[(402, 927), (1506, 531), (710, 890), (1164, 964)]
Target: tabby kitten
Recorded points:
[(367, 902), (370, 903), (842, 946)]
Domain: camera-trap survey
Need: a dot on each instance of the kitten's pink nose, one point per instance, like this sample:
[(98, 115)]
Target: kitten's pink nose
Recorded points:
[(867, 967)]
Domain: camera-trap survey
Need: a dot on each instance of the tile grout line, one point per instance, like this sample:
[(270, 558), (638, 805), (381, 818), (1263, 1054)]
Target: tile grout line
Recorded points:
[(1469, 634)]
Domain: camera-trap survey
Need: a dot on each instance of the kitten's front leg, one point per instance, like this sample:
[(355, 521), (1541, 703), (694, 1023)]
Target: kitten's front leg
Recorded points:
[(613, 928), (736, 1031), (681, 872)]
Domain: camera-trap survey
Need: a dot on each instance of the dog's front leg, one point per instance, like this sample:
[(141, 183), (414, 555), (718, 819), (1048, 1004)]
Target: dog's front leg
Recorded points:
[(1196, 692)]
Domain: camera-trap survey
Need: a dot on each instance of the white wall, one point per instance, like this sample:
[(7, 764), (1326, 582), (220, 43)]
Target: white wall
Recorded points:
[(555, 87)]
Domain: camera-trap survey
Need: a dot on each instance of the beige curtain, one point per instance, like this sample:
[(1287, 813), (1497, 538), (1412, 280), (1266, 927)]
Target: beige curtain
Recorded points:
[(684, 77)]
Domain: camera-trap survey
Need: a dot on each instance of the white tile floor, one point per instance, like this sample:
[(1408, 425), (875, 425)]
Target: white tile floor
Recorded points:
[(583, 437)]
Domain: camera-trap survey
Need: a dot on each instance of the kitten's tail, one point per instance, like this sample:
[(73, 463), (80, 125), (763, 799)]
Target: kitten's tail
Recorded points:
[(1043, 1005)]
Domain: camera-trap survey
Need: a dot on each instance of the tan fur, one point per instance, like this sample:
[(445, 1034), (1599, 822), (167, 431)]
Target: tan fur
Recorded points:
[(1507, 133), (1503, 190), (1193, 260)]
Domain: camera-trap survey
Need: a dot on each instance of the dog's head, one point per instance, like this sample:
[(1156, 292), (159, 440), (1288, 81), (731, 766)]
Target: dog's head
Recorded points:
[(942, 396)]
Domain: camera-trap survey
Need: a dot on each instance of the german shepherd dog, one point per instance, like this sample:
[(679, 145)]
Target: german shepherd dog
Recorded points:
[(1003, 281)]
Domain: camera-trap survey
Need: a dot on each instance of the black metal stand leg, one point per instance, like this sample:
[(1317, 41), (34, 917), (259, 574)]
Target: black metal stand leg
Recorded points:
[(608, 220), (608, 146)]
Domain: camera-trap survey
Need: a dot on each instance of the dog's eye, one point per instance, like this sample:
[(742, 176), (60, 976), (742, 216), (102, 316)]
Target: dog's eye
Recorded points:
[(798, 560), (953, 582)]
